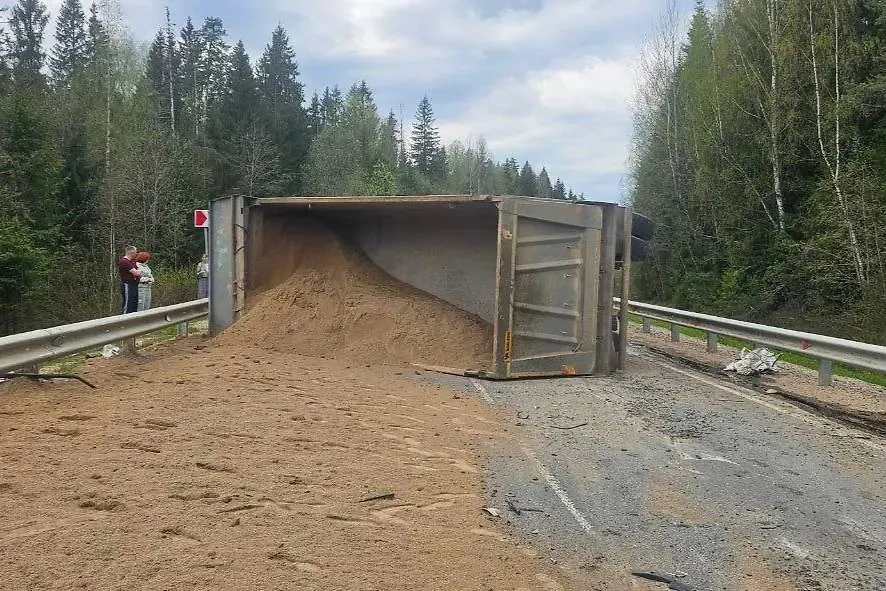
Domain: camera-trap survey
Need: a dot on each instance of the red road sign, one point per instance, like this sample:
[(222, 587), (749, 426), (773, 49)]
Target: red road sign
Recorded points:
[(201, 218)]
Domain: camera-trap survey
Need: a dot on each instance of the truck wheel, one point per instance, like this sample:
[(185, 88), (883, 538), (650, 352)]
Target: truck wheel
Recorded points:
[(642, 227)]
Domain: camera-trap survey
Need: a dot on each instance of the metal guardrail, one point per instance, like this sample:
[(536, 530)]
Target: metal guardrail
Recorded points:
[(827, 350), (37, 346)]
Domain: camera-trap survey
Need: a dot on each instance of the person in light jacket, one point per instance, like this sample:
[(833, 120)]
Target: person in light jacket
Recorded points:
[(203, 278), (146, 282)]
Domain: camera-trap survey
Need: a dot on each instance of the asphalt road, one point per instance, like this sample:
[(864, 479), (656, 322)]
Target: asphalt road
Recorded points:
[(712, 485)]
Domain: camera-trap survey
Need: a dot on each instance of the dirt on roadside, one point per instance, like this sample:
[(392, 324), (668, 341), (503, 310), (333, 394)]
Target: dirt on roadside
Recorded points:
[(228, 467)]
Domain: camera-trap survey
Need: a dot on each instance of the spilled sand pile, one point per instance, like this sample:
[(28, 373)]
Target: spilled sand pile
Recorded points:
[(336, 303)]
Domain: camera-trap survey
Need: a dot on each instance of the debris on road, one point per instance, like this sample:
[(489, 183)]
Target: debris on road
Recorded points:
[(109, 351), (513, 508), (570, 427), (44, 376), (754, 362), (669, 580), (384, 496), (492, 511)]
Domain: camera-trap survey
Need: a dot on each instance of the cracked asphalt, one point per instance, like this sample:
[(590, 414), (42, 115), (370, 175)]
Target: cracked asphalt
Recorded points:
[(711, 485)]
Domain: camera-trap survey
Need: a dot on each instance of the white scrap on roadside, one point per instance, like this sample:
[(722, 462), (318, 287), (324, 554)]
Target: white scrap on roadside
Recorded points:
[(109, 351), (754, 362)]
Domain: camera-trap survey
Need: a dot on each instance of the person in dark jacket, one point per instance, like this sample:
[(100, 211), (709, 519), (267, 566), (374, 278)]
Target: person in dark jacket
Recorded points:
[(129, 280)]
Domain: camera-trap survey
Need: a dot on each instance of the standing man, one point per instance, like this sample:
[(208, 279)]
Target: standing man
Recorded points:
[(203, 278), (129, 279)]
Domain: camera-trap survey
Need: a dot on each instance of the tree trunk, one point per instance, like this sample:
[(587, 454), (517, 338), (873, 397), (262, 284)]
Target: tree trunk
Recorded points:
[(834, 166), (774, 119)]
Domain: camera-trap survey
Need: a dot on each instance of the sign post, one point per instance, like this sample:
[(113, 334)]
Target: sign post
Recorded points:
[(201, 220)]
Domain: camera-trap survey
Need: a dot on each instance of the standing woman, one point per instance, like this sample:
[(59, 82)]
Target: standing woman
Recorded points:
[(146, 282), (203, 278)]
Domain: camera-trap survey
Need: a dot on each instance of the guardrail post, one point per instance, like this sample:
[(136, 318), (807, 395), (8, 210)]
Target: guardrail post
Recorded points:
[(182, 329), (825, 372), (712, 342), (647, 325), (675, 333)]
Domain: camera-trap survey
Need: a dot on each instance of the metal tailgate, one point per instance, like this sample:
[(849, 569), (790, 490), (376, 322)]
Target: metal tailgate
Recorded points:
[(548, 278)]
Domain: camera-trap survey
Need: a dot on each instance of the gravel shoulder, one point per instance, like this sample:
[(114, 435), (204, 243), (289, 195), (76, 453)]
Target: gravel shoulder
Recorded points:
[(234, 468)]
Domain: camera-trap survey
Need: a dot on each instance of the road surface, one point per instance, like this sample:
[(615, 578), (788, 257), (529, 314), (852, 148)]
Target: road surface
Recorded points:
[(671, 471)]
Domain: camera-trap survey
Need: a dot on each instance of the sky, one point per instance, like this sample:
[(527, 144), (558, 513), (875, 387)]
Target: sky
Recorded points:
[(548, 81)]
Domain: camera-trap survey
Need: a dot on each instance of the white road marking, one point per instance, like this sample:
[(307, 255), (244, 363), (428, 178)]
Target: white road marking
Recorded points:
[(558, 490), (483, 391), (789, 410), (706, 457), (545, 473)]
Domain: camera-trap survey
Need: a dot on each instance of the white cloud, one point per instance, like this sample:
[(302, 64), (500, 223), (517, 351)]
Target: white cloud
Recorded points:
[(574, 119), (594, 85)]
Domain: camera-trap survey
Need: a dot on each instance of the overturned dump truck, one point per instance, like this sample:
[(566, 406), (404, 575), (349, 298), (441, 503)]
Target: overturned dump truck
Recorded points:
[(541, 272)]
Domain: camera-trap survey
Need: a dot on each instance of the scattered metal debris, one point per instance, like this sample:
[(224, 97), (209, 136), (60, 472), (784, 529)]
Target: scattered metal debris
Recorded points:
[(513, 508), (385, 496), (46, 376), (570, 427), (754, 362), (670, 581)]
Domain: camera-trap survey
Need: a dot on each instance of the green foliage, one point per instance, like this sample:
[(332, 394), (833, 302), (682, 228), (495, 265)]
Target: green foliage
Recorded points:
[(381, 180), (22, 270), (765, 174), (71, 50), (425, 140), (528, 181), (123, 145), (28, 23)]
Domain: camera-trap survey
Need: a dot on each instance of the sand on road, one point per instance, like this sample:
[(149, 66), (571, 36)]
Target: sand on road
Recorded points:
[(207, 466)]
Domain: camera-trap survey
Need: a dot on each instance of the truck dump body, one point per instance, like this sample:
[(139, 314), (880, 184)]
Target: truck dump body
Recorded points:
[(541, 272)]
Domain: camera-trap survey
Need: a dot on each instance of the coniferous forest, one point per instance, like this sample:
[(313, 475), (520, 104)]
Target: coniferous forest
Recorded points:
[(760, 148), (105, 142)]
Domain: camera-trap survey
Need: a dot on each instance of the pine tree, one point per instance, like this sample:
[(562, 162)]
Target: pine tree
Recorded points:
[(425, 140), (282, 96), (361, 118), (315, 116), (96, 37), (213, 68), (544, 184), (238, 111), (331, 106), (511, 174), (70, 53), (278, 81), (191, 52), (388, 140), (28, 23), (559, 190), (528, 181)]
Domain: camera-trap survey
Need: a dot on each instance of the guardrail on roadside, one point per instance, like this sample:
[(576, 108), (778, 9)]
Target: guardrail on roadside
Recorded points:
[(37, 346), (827, 350)]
